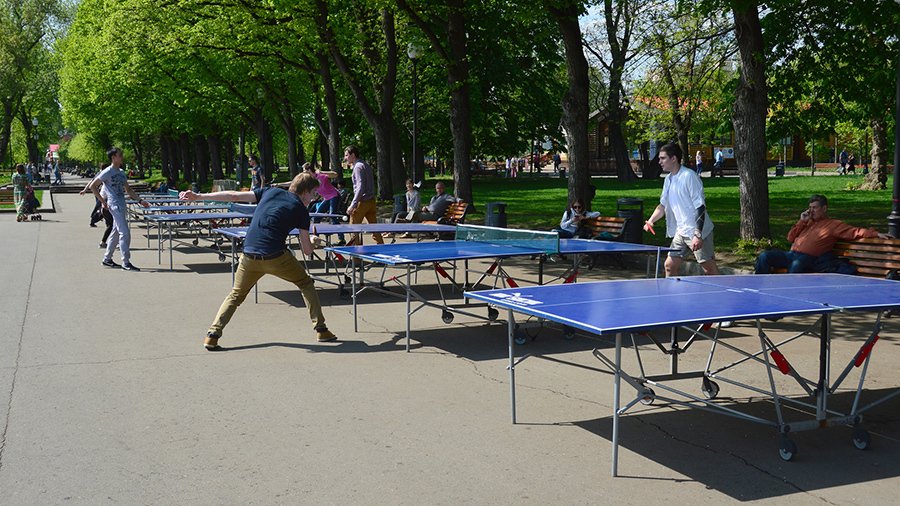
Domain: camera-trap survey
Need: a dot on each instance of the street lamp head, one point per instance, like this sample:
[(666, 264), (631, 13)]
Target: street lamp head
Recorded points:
[(34, 122), (415, 50)]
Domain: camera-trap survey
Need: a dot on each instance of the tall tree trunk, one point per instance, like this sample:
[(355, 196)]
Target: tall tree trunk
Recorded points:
[(187, 159), (264, 146), (460, 102), (215, 156), (398, 171), (138, 148), (174, 158), (380, 119), (201, 151), (748, 115), (617, 116), (877, 177), (10, 108), (164, 157), (31, 144), (575, 100), (678, 121), (333, 131), (229, 156), (286, 116)]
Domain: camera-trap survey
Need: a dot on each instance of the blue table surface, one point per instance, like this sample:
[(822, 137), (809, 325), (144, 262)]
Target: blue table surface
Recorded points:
[(629, 305), (197, 216), (412, 253), (329, 228)]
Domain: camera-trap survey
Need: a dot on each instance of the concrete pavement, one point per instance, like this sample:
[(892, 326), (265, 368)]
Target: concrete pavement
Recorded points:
[(107, 397)]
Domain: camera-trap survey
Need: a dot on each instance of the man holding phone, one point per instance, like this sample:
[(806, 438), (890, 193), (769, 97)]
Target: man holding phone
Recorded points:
[(813, 236)]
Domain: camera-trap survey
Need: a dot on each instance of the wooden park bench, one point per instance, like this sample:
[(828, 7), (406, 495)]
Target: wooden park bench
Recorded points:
[(455, 214), (871, 257), (486, 172), (606, 228), (612, 226), (6, 197)]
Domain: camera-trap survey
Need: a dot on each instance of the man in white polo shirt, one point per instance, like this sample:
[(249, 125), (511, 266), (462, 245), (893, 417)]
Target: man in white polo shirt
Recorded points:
[(684, 206)]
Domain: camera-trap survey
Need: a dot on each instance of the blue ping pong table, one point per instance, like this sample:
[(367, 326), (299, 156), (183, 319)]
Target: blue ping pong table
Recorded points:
[(416, 256), (210, 220), (637, 306), (238, 234)]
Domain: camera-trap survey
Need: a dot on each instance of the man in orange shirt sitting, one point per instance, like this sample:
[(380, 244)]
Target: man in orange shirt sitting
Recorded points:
[(813, 236)]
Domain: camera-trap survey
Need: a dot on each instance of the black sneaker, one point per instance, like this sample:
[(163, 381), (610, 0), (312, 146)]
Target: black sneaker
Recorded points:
[(109, 263), (129, 267)]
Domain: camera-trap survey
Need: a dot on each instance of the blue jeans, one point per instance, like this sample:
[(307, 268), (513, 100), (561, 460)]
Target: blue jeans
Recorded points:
[(790, 260), (331, 206)]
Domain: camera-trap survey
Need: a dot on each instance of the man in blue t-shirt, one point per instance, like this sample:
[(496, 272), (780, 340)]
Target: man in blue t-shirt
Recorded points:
[(265, 251)]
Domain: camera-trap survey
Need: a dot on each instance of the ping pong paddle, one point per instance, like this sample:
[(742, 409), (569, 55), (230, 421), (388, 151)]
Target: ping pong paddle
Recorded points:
[(649, 228)]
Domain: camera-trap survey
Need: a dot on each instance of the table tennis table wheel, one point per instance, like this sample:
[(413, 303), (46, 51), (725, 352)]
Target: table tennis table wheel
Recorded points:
[(787, 448), (710, 388), (493, 314), (447, 317), (195, 242), (568, 332), (861, 437), (520, 337), (221, 257), (347, 279), (648, 397), (345, 294)]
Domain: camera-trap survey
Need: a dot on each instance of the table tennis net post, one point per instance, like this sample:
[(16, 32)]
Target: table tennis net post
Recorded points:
[(547, 242)]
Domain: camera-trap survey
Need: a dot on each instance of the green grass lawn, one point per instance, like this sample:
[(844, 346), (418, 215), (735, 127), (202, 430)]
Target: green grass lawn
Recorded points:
[(538, 203)]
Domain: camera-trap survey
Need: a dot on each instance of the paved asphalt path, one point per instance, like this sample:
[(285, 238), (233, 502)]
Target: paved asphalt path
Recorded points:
[(108, 397)]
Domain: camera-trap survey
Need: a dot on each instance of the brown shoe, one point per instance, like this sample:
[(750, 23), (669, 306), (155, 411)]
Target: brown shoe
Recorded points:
[(212, 342), (325, 335)]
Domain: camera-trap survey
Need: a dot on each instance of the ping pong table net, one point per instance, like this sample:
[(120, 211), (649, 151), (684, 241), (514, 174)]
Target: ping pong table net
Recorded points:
[(544, 242)]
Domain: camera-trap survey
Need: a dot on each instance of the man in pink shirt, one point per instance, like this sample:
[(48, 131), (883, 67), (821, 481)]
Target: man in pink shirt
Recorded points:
[(813, 236)]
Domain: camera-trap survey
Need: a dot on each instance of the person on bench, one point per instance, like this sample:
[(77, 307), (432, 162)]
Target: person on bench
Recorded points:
[(812, 237), (570, 226), (437, 207)]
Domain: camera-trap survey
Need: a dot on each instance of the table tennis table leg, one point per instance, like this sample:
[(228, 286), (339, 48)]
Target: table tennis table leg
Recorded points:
[(512, 364), (232, 260), (824, 368), (171, 262), (353, 270), (408, 288), (616, 392)]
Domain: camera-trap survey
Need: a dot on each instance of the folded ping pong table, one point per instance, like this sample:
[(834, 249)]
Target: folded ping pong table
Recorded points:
[(638, 306)]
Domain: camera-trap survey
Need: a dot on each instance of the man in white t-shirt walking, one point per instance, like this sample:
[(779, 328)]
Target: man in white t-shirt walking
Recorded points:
[(112, 197), (684, 206)]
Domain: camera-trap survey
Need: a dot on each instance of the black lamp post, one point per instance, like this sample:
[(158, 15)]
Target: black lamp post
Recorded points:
[(894, 218), (414, 52), (37, 152)]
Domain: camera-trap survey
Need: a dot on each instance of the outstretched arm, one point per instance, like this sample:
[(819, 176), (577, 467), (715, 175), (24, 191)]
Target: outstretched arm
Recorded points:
[(226, 196)]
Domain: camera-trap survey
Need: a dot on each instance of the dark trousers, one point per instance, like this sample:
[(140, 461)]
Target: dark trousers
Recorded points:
[(790, 260)]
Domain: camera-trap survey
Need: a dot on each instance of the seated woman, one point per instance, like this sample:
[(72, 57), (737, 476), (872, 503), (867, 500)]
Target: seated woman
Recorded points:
[(570, 225), (413, 202)]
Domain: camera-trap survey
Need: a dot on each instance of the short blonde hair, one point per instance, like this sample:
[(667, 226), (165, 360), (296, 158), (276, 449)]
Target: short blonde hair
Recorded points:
[(303, 182)]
